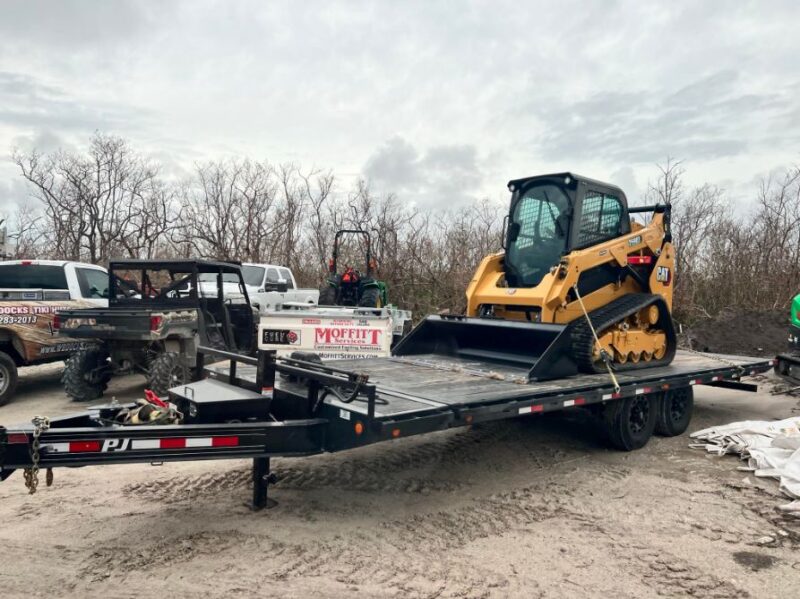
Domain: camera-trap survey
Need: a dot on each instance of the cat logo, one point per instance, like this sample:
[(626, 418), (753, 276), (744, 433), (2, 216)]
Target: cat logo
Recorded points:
[(663, 275)]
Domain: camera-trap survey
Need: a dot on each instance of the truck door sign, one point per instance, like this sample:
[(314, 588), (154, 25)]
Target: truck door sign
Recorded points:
[(111, 445), (663, 275)]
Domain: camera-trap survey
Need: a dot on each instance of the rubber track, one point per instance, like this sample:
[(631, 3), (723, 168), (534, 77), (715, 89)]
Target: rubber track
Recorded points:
[(610, 314)]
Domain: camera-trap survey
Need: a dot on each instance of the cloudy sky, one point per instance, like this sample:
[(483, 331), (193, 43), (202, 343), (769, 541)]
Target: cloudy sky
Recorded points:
[(438, 101)]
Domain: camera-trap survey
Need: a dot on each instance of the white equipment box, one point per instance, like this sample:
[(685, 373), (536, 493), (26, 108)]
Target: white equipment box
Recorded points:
[(332, 332)]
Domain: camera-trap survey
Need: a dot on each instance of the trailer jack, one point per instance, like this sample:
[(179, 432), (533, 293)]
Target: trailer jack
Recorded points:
[(262, 479)]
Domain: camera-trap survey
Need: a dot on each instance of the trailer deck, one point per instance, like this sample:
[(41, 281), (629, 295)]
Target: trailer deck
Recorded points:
[(429, 383), (314, 408)]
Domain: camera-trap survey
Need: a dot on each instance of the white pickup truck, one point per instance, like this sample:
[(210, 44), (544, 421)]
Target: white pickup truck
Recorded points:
[(270, 286), (31, 292)]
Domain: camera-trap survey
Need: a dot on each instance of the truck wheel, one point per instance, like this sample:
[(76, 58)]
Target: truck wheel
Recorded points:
[(76, 370), (371, 298), (630, 422), (8, 378), (166, 371), (675, 412), (327, 296)]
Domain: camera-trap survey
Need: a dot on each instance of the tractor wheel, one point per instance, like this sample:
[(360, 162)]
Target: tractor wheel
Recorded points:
[(82, 378), (327, 296), (166, 371), (371, 298), (8, 377), (675, 412), (630, 422)]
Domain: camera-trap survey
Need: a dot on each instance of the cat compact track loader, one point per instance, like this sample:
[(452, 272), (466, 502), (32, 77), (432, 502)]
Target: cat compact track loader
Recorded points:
[(579, 287)]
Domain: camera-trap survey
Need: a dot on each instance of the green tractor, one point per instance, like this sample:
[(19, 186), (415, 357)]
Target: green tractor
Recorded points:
[(352, 287), (788, 364)]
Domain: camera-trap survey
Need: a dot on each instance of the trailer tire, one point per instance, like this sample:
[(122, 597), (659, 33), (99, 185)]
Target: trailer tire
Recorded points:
[(371, 298), (327, 296), (630, 422), (675, 412), (76, 368), (166, 371), (8, 378)]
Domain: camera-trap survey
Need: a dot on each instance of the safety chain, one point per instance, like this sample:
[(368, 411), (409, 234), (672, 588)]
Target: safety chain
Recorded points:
[(40, 424), (739, 368)]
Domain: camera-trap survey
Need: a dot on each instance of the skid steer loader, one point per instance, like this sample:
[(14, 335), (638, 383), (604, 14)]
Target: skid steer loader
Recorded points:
[(579, 287)]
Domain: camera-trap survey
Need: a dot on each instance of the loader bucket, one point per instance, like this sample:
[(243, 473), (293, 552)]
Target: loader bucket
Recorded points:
[(544, 350)]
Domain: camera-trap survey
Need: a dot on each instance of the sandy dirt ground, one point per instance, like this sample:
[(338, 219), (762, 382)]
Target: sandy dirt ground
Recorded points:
[(536, 507)]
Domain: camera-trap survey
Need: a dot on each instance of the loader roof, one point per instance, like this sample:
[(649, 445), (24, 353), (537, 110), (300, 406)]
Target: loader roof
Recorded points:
[(517, 183)]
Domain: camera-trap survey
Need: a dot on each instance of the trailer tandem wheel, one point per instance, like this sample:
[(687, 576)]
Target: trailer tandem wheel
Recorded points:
[(675, 412), (630, 422)]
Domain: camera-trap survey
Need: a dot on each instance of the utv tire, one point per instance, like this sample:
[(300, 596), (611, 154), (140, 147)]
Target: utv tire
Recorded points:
[(76, 369), (327, 296), (675, 412), (166, 371), (8, 378), (371, 298), (630, 422)]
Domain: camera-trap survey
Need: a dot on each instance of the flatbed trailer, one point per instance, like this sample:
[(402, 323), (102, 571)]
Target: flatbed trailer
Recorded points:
[(299, 408)]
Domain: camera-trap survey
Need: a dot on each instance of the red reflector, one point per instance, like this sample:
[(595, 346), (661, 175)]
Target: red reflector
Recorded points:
[(79, 446), (17, 438), (172, 443), (640, 259), (155, 322), (579, 401), (224, 441), (539, 408), (26, 262), (56, 322)]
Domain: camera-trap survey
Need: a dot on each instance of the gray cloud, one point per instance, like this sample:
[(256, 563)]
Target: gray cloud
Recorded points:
[(27, 103), (704, 120), (441, 176), (480, 95)]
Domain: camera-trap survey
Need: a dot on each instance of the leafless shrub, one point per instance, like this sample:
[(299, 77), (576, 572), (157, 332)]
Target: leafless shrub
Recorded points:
[(112, 202)]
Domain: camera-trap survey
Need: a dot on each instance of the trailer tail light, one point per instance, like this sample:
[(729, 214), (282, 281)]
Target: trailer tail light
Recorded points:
[(26, 262), (16, 438), (156, 320), (56, 322), (637, 260)]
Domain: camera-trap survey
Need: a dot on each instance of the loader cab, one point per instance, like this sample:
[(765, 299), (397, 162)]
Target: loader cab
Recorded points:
[(553, 215)]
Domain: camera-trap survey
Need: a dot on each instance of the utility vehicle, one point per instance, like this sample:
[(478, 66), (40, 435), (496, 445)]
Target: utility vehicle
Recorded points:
[(159, 312)]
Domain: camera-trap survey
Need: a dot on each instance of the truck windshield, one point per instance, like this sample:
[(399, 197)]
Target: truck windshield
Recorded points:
[(32, 276), (253, 275), (537, 234)]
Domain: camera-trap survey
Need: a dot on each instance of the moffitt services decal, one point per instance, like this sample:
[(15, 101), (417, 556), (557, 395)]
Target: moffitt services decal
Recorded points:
[(347, 336)]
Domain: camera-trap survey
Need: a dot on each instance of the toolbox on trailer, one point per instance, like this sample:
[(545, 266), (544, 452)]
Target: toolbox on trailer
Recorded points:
[(267, 406)]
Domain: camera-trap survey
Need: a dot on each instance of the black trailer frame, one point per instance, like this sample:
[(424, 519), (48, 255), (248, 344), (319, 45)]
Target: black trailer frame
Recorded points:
[(317, 408)]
